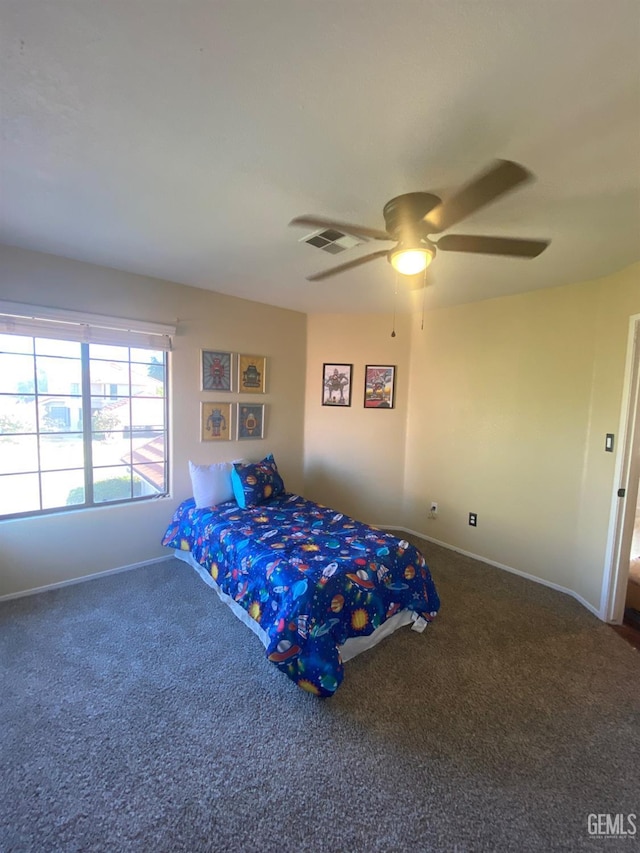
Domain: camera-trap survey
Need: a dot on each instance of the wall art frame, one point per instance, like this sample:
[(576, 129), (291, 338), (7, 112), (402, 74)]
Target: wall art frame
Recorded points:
[(250, 421), (379, 386), (217, 370), (252, 374), (336, 384), (215, 421)]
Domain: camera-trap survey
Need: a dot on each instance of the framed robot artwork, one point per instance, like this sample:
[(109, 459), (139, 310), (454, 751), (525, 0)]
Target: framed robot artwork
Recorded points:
[(217, 370), (336, 384), (252, 374), (250, 421), (379, 386), (215, 421)]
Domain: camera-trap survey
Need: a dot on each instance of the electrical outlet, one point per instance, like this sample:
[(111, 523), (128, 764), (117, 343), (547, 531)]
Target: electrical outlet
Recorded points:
[(473, 519), (434, 510)]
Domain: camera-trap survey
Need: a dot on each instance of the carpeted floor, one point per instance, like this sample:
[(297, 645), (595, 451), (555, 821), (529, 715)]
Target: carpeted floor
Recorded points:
[(138, 714)]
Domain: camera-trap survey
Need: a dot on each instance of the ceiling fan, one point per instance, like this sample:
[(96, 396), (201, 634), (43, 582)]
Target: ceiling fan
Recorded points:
[(410, 219)]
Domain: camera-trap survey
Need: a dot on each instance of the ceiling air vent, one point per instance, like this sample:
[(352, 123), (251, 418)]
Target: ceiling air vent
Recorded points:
[(332, 241)]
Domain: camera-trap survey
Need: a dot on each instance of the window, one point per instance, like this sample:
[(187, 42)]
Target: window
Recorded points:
[(81, 424)]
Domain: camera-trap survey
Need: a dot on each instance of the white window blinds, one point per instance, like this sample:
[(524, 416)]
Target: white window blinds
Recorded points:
[(20, 319)]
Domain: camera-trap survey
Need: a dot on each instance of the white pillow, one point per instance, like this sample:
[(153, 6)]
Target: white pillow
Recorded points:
[(211, 483)]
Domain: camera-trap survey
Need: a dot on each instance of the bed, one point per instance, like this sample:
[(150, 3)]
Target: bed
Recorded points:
[(316, 586)]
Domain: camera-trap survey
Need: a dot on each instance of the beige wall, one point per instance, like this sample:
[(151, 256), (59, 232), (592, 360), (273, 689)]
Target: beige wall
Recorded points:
[(502, 410), (510, 400), (354, 457), (48, 549)]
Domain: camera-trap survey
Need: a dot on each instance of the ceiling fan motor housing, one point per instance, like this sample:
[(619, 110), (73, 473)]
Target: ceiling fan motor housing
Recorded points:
[(404, 214)]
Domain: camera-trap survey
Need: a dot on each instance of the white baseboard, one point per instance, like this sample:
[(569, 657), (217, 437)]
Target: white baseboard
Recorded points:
[(481, 559), (82, 579), (502, 566)]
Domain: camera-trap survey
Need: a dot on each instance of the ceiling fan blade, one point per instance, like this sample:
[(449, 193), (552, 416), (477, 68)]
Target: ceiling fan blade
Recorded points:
[(348, 228), (348, 266), (501, 177), (492, 245)]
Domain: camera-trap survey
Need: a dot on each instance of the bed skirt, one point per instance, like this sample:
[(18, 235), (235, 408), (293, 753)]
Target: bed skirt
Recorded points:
[(354, 645)]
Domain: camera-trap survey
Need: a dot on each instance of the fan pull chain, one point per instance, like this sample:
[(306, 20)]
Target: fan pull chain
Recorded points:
[(395, 299), (424, 296)]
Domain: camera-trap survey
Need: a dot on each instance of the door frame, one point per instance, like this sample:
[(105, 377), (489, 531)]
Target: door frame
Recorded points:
[(627, 477)]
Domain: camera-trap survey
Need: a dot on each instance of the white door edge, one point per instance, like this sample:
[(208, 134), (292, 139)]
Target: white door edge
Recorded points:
[(627, 474)]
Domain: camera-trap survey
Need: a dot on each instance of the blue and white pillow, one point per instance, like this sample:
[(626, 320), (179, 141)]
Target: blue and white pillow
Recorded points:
[(256, 483)]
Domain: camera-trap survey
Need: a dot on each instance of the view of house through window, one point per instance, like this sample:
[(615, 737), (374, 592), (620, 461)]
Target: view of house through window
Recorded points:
[(80, 424)]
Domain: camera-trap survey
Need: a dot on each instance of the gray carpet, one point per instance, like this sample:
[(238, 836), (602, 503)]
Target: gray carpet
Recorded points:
[(139, 715)]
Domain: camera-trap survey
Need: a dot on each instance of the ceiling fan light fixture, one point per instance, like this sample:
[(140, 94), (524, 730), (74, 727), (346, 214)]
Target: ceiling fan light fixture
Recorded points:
[(409, 260)]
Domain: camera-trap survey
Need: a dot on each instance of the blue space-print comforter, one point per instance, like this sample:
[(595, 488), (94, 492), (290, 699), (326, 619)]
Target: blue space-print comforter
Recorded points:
[(311, 577)]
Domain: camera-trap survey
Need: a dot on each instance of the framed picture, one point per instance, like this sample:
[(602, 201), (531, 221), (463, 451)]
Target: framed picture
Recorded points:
[(251, 374), (250, 421), (336, 384), (217, 370), (379, 386), (215, 421)]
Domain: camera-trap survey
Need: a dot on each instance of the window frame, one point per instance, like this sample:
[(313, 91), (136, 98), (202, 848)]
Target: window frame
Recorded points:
[(87, 430)]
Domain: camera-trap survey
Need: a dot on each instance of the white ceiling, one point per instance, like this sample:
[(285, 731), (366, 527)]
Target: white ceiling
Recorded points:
[(177, 138)]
